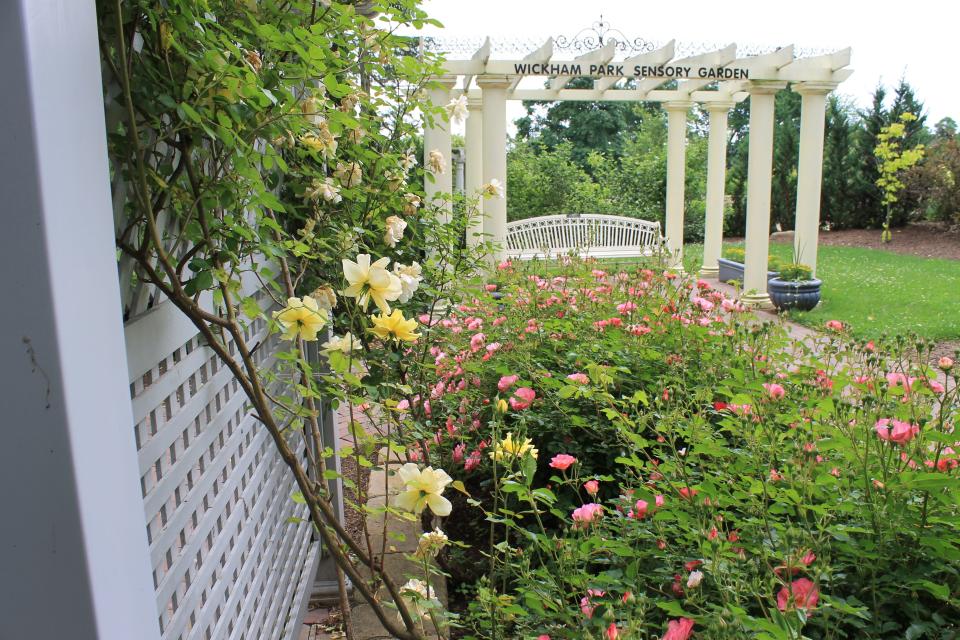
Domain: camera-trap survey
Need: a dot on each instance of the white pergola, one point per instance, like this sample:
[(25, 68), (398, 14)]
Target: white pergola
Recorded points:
[(716, 80)]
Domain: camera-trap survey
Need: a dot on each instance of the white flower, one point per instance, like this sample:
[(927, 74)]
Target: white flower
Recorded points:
[(457, 110), (326, 298), (407, 161), (347, 343), (436, 162), (349, 174), (394, 230), (492, 188), (419, 598), (694, 580), (410, 278), (411, 203), (431, 543), (325, 189)]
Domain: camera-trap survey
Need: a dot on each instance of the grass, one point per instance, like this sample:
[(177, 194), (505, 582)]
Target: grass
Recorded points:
[(876, 292)]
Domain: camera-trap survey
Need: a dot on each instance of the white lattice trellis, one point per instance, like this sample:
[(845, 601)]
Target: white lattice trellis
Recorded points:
[(227, 561)]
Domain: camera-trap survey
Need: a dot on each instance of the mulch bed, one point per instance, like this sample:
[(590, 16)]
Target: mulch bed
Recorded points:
[(927, 240)]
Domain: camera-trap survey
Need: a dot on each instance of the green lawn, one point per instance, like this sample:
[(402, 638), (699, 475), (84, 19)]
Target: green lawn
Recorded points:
[(877, 292)]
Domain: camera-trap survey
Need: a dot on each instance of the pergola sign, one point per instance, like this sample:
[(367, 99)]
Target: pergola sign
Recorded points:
[(716, 80)]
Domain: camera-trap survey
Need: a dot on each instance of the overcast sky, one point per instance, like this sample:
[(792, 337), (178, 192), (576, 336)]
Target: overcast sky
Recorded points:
[(888, 39)]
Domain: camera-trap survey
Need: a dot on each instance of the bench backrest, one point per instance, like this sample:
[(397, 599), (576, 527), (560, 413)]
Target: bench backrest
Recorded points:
[(582, 232)]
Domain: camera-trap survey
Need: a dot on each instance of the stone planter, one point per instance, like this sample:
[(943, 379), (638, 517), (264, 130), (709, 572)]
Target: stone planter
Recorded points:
[(729, 270), (803, 295)]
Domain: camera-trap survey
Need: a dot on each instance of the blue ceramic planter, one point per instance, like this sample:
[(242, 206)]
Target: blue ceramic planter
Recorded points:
[(803, 295)]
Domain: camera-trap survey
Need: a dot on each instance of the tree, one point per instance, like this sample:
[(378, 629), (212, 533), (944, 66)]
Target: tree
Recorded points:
[(836, 197), (587, 126), (894, 159), (868, 196)]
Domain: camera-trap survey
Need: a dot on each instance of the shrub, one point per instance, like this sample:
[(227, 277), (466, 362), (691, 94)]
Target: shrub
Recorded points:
[(725, 478)]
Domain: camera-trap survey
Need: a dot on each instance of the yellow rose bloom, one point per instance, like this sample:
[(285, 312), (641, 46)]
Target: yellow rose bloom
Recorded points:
[(424, 488), (371, 282), (513, 448), (301, 317), (395, 327)]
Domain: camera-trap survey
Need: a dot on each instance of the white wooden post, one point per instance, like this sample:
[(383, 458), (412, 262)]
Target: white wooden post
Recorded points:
[(759, 172), (437, 138), (810, 170), (716, 183), (474, 169), (676, 176), (74, 546), (495, 157)]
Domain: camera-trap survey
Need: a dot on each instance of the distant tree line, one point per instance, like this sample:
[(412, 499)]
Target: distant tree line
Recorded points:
[(610, 157)]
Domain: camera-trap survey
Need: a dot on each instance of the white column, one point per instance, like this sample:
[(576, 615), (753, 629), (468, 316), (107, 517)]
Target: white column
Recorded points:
[(73, 540), (759, 171), (716, 182), (437, 138), (495, 157), (474, 169), (810, 170), (676, 176)]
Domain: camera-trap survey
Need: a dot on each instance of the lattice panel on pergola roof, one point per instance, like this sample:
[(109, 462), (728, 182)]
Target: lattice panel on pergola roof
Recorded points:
[(716, 75)]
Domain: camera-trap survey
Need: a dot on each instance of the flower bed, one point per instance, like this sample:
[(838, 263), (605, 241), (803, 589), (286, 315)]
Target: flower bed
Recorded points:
[(643, 463)]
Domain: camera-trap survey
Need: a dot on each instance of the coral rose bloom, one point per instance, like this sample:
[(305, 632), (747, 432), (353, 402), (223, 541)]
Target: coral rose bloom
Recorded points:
[(587, 513), (774, 390), (581, 378), (900, 433), (506, 382), (680, 629), (801, 594), (522, 398), (562, 461)]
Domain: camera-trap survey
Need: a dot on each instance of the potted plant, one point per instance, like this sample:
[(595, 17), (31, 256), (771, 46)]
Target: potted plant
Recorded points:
[(731, 265), (794, 288)]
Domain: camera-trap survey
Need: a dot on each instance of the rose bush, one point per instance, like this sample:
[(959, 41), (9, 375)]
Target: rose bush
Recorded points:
[(673, 467)]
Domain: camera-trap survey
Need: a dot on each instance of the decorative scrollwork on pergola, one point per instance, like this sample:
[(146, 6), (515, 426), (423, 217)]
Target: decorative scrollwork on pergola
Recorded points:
[(597, 34)]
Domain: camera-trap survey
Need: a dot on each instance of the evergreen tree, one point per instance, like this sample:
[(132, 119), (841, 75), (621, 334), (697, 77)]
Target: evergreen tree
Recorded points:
[(836, 197), (868, 210)]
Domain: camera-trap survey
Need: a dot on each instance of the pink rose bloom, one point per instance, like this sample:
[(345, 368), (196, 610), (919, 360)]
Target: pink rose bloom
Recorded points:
[(659, 501), (473, 461), (680, 629), (499, 321), (900, 433), (612, 631), (936, 387), (801, 594), (582, 378), (543, 636), (640, 509), (586, 514), (506, 382), (945, 363), (625, 307), (522, 398), (897, 379), (774, 390), (562, 461), (490, 287), (834, 325), (592, 487)]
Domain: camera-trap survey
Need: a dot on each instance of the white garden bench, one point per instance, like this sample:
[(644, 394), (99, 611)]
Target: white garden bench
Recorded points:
[(584, 234)]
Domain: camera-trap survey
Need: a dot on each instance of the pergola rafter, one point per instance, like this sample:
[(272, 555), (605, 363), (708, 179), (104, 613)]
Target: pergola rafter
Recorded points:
[(715, 80)]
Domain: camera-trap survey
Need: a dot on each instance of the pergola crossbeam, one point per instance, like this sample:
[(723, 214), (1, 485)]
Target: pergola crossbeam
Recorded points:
[(656, 57), (600, 56), (541, 55)]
